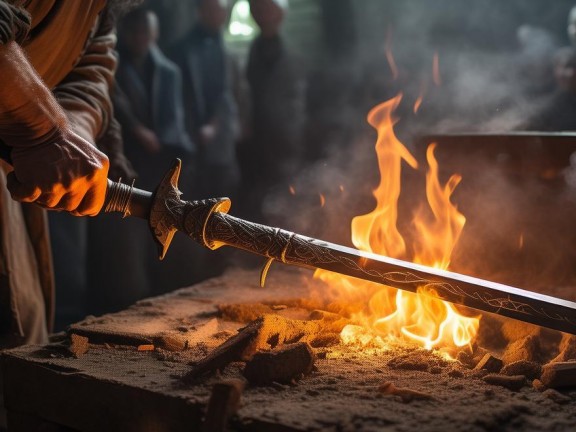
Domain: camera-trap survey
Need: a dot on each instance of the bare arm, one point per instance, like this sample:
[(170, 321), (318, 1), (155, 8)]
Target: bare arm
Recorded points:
[(53, 166)]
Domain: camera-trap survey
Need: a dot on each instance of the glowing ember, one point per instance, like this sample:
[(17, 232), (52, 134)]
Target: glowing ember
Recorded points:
[(322, 200), (436, 70), (420, 317), (417, 104), (291, 190)]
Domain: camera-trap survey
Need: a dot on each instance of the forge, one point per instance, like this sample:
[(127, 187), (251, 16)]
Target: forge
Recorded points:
[(327, 352), (137, 371)]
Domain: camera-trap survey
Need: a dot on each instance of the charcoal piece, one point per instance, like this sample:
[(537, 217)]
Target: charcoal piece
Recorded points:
[(530, 370), (223, 404), (78, 345), (489, 363), (514, 382), (559, 375), (264, 333), (281, 365)]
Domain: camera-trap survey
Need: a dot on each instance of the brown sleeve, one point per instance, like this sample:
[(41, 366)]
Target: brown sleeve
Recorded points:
[(85, 92), (14, 23)]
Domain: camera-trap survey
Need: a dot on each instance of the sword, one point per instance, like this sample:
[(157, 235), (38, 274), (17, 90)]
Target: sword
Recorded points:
[(208, 222)]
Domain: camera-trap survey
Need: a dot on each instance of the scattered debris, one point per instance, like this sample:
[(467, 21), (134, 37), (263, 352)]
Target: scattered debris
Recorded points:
[(265, 333), (172, 343), (514, 382), (465, 358), (282, 365), (538, 386), (223, 404), (78, 345), (147, 347), (530, 370), (489, 363), (558, 375), (406, 394)]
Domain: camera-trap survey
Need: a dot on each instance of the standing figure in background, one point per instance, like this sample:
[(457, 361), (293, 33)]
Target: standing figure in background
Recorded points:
[(123, 264), (211, 108), (272, 153), (150, 102)]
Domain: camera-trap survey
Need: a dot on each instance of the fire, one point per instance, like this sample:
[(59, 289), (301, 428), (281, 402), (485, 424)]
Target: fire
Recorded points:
[(322, 199), (391, 313)]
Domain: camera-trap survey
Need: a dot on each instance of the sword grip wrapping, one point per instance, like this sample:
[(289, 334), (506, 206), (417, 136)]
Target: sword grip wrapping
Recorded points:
[(126, 199)]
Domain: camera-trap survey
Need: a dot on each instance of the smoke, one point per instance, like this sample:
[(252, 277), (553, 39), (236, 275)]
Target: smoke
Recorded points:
[(495, 65)]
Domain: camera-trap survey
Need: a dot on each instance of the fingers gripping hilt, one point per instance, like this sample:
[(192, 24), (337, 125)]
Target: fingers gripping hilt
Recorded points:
[(169, 213)]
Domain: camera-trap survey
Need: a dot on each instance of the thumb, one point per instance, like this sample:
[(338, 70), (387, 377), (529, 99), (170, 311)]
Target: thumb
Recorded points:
[(20, 191)]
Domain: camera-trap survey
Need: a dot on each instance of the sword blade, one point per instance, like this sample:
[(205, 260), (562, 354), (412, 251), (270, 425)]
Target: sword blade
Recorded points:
[(295, 249)]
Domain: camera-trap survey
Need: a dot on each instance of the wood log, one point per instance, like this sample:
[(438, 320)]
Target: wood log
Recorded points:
[(406, 394), (264, 333), (530, 370), (489, 363), (558, 375), (282, 365), (223, 404), (514, 382)]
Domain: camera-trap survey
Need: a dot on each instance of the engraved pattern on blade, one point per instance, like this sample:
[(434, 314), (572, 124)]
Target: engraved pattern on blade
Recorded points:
[(303, 251), (260, 239)]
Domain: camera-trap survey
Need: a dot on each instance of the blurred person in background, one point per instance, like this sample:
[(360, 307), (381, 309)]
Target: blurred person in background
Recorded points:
[(211, 109), (272, 152), (123, 263), (150, 88)]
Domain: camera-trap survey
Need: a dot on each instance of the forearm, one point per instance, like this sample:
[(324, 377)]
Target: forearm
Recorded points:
[(29, 113)]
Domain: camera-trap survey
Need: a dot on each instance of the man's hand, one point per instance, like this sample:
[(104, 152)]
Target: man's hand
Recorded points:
[(65, 172)]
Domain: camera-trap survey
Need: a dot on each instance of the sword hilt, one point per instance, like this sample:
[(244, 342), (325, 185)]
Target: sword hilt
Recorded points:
[(165, 212), (128, 200)]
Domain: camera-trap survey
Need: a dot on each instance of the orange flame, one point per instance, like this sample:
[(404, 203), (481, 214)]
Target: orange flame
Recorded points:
[(421, 317), (420, 98), (417, 104), (322, 200), (436, 70), (390, 55)]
